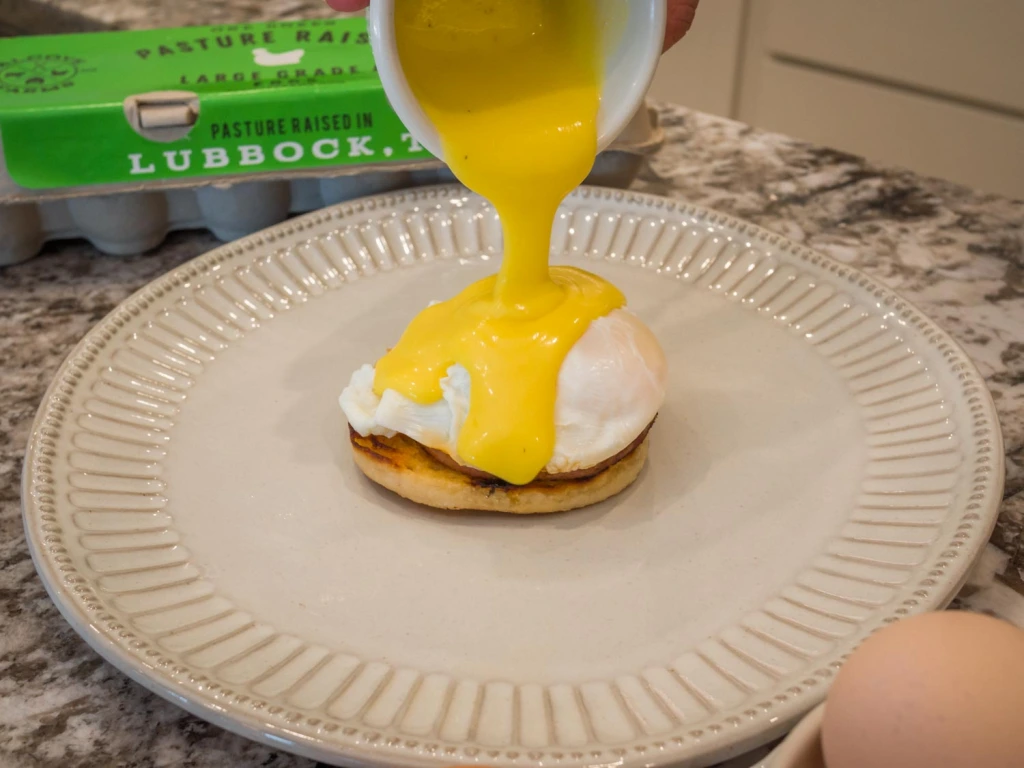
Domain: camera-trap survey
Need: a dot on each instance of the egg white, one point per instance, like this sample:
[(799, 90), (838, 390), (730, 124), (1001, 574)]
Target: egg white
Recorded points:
[(610, 387)]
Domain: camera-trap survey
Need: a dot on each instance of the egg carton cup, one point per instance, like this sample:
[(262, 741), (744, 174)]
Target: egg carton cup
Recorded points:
[(128, 219)]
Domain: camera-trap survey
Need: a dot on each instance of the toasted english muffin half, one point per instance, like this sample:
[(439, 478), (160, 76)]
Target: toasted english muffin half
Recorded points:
[(405, 467)]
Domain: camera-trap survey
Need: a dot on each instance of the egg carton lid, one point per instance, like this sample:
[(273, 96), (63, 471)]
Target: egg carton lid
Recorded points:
[(643, 136), (128, 111)]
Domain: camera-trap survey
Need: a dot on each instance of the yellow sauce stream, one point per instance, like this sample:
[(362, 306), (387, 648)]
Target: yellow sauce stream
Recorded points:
[(512, 87)]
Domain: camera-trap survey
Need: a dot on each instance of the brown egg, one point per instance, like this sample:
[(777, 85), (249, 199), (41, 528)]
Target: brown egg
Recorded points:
[(942, 690)]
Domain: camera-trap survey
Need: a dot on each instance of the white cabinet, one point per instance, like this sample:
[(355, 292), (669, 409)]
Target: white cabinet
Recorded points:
[(933, 85), (962, 49), (931, 136)]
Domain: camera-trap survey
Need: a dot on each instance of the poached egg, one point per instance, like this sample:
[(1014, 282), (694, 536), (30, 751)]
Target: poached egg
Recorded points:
[(611, 385), (536, 368)]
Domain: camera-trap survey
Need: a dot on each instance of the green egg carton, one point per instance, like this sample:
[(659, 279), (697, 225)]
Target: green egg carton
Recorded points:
[(121, 137)]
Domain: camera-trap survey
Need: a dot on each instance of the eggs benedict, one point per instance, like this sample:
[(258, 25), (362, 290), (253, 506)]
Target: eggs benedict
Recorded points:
[(533, 390)]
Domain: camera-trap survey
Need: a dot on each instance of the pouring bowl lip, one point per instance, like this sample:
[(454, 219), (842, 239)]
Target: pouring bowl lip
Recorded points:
[(617, 109), (380, 20)]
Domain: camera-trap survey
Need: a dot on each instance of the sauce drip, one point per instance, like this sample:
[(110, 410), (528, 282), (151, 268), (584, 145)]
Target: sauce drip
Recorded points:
[(513, 89)]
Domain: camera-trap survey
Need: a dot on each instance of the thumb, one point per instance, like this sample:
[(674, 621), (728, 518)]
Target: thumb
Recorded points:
[(680, 18), (348, 6)]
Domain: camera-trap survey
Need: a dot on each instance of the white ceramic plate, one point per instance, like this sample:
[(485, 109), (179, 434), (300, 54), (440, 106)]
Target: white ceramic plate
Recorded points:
[(827, 461)]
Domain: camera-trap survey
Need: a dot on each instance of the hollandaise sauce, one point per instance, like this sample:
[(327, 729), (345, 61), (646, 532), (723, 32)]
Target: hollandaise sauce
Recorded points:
[(513, 89)]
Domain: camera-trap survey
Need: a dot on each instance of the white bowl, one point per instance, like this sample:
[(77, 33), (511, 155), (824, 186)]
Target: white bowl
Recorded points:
[(630, 60), (802, 748)]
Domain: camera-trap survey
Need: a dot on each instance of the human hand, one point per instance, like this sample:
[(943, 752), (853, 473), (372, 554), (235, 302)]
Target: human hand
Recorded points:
[(680, 16), (680, 19)]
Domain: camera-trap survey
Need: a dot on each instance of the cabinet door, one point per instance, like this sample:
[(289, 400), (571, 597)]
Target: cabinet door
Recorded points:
[(968, 49), (936, 86), (934, 137)]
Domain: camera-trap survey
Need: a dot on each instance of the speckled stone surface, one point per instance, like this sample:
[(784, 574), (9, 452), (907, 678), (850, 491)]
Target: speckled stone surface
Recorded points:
[(43, 16), (956, 253)]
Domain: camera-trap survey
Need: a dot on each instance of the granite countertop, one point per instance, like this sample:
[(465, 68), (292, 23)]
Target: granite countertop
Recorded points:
[(957, 253), (56, 16)]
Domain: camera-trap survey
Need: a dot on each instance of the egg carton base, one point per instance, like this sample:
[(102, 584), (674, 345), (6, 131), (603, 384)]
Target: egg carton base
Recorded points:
[(135, 222)]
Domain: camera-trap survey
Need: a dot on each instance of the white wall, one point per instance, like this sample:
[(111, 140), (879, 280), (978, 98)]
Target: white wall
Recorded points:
[(701, 72)]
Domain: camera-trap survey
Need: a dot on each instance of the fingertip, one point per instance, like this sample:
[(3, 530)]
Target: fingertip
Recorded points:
[(348, 6), (680, 18)]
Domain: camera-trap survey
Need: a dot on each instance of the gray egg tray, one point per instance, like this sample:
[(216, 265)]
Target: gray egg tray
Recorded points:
[(127, 220)]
